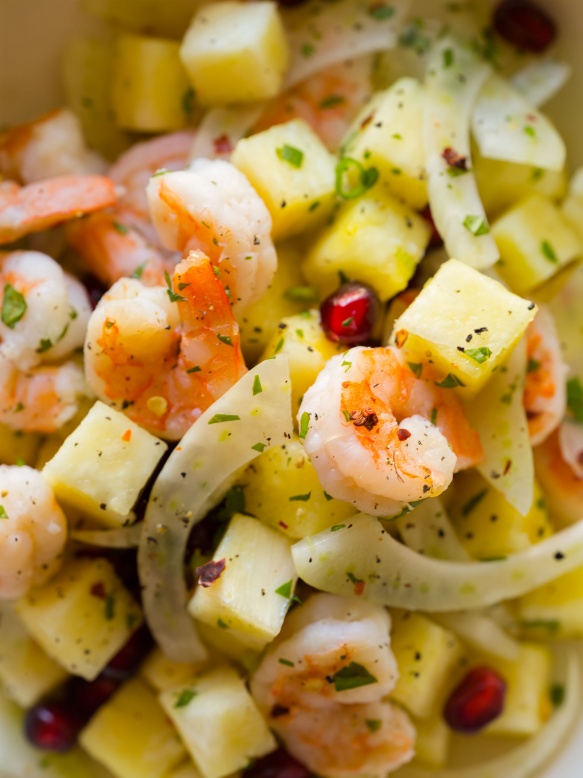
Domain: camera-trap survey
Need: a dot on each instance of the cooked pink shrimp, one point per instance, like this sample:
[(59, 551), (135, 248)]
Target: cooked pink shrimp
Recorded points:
[(544, 389), (300, 688), (213, 207), (44, 204), (328, 101), (33, 531), (370, 437), (558, 465), (164, 355)]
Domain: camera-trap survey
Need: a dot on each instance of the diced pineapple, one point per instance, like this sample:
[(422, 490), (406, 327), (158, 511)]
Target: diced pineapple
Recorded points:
[(162, 18), (433, 740), (236, 52), (131, 735), (253, 592), (387, 135), (26, 672), (184, 770), (302, 338), (224, 644), (283, 489), (464, 323), (554, 609), (104, 464), (427, 656), (151, 92), (162, 673), (527, 695), (219, 722), (373, 238), (294, 174), (82, 617), (487, 524), (286, 296), (535, 241), (17, 447)]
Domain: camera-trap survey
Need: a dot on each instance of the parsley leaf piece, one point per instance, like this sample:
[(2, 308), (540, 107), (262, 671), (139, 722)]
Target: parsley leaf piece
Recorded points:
[(291, 155), (416, 368), (548, 252), (352, 677), (225, 339), (473, 501), (174, 298), (218, 418), (479, 354), (575, 398), (304, 424), (185, 696), (3, 514), (259, 447), (285, 590), (257, 388), (381, 12), (300, 497), (13, 306), (476, 225), (450, 381)]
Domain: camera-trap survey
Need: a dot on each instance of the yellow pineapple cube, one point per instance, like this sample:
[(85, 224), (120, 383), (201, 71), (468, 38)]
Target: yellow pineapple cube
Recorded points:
[(132, 736), (219, 722), (235, 52), (427, 657), (184, 770), (224, 644), (254, 590), (103, 465), (82, 617), (386, 134), (535, 242), (282, 489), (554, 609), (151, 92), (294, 174), (464, 323), (162, 673), (18, 447), (433, 740), (373, 238)]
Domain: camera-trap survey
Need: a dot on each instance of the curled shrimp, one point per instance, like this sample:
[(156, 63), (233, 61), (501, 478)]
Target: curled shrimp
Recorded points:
[(33, 531), (544, 397), (370, 437), (300, 687), (163, 355), (212, 207)]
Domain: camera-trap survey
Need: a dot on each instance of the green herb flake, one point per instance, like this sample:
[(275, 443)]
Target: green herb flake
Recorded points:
[(302, 294), (121, 228), (328, 497), (352, 677), (257, 388), (381, 12), (300, 497), (347, 322), (532, 365), (448, 58), (195, 369), (161, 172), (219, 418), (332, 101), (575, 398), (285, 662), (313, 206), (13, 306), (285, 590), (336, 527), (557, 695), (416, 368), (307, 49), (44, 345), (225, 339), (346, 414), (139, 271), (259, 447), (222, 624), (352, 179), (174, 298), (291, 155), (450, 381), (184, 698), (478, 354), (304, 424), (433, 418), (188, 101), (476, 225), (373, 724), (109, 607), (548, 252), (547, 625), (182, 285), (413, 38), (473, 502), (279, 346), (529, 130), (3, 514)]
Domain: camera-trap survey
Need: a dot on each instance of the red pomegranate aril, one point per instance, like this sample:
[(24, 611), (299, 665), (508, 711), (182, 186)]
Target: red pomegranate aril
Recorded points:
[(278, 764), (350, 313), (435, 240), (525, 25), (86, 697), (52, 726), (476, 701), (127, 659)]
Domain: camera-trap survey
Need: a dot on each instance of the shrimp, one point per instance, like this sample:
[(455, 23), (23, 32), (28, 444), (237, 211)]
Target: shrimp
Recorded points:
[(163, 355), (213, 207), (44, 204), (369, 435), (558, 465), (50, 146), (545, 397), (33, 531), (322, 721)]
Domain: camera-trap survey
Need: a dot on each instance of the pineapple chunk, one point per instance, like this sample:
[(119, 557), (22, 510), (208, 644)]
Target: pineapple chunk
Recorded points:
[(184, 770), (387, 135), (82, 617), (26, 672), (554, 609), (17, 447), (375, 239), (283, 489), (224, 643), (162, 673), (535, 242), (151, 92), (102, 467), (464, 323), (427, 656), (433, 740), (293, 172), (236, 52), (302, 338), (131, 735), (219, 722), (252, 594), (487, 524), (527, 695)]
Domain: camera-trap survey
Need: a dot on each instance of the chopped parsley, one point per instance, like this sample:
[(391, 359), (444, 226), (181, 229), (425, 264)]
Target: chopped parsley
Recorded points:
[(304, 424), (44, 345), (13, 306), (302, 294), (188, 101), (109, 607), (290, 154), (478, 354), (332, 101), (353, 179), (225, 339), (448, 57), (548, 252), (219, 418), (336, 527), (3, 514), (259, 447), (477, 225), (139, 271), (529, 130), (373, 724), (473, 502), (380, 11), (300, 497), (285, 662), (285, 590), (352, 677), (575, 398), (121, 228), (416, 368), (557, 695), (174, 298), (184, 698), (450, 381), (257, 388)]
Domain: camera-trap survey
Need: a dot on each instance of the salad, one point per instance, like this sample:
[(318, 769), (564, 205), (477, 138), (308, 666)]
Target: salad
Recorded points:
[(291, 417)]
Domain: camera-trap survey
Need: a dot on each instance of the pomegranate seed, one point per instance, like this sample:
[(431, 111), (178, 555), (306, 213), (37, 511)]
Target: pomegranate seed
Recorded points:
[(52, 726), (435, 241), (127, 659), (525, 25), (476, 701), (85, 697), (350, 314), (278, 764)]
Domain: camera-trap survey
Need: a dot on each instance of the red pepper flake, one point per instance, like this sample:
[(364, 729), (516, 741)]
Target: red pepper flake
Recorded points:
[(401, 338), (222, 145), (283, 525), (98, 590), (507, 466), (403, 434), (365, 122), (210, 572), (359, 588), (454, 159), (127, 436)]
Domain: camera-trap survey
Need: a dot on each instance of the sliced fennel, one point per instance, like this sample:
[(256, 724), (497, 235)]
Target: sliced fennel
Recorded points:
[(530, 756), (498, 414), (251, 416), (428, 530), (507, 126), (221, 128), (481, 633), (121, 537), (323, 33), (541, 80), (391, 574), (455, 75)]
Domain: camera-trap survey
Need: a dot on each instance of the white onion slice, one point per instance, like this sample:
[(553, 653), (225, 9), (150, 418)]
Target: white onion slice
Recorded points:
[(481, 633), (455, 75), (507, 127), (122, 537), (541, 80), (395, 576), (571, 444), (530, 756), (221, 128), (253, 415), (428, 530), (323, 33)]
